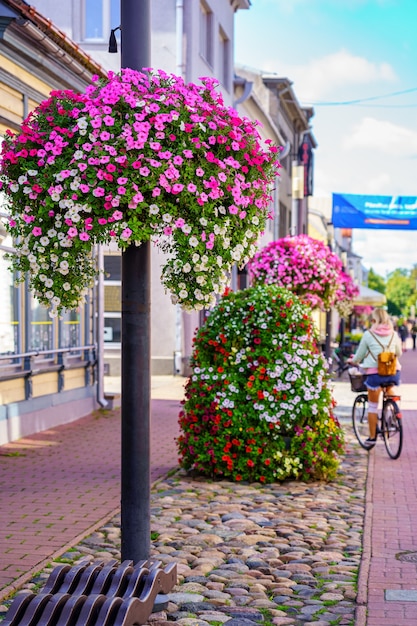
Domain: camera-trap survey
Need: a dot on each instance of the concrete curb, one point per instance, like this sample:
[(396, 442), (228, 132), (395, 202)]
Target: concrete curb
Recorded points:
[(363, 578)]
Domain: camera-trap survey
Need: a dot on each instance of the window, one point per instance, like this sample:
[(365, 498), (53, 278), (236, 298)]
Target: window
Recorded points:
[(113, 267), (112, 328), (70, 330), (9, 322), (112, 298), (100, 16), (40, 326), (224, 61), (206, 33)]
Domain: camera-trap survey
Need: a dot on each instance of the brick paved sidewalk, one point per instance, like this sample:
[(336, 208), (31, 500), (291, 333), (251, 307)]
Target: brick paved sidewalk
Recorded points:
[(388, 576), (59, 485)]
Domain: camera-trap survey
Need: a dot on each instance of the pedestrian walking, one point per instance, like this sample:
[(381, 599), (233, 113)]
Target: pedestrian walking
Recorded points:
[(414, 333), (403, 333)]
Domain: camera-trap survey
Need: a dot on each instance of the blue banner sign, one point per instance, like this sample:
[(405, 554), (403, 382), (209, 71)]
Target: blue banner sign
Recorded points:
[(384, 212)]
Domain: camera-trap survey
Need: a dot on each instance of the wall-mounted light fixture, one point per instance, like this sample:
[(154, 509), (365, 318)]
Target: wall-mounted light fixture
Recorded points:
[(112, 39)]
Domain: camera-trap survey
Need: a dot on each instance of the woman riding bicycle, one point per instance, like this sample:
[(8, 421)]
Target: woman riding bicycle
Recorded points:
[(381, 336)]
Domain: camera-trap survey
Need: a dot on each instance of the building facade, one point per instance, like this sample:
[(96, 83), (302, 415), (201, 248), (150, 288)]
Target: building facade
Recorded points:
[(47, 366), (189, 38)]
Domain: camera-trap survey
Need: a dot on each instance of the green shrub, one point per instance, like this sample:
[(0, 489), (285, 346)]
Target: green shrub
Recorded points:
[(258, 405)]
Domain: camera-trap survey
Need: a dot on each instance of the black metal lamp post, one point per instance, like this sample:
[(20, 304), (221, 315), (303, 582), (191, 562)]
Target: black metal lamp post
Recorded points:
[(135, 462)]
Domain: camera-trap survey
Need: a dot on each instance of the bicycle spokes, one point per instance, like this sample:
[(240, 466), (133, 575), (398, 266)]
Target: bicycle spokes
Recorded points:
[(360, 419), (392, 429)]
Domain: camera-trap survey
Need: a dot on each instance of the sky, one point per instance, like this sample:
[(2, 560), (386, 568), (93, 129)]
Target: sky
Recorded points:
[(355, 62)]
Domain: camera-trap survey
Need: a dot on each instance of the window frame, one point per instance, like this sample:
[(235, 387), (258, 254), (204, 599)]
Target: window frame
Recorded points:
[(207, 34), (106, 21)]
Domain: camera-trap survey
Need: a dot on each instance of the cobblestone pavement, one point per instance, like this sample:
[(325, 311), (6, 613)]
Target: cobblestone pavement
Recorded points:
[(285, 554), (281, 554)]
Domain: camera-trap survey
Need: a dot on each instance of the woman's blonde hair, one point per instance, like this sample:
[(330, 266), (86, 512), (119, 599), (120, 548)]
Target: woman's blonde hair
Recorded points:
[(380, 316)]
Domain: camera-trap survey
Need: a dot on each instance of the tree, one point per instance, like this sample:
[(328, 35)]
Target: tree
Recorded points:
[(398, 291), (376, 282)]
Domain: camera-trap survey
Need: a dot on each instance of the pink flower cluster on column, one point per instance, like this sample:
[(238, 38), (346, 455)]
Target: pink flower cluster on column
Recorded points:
[(305, 266)]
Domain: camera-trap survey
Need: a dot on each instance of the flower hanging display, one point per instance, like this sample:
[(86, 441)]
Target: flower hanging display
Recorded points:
[(363, 310), (305, 266), (258, 405), (345, 295), (138, 157)]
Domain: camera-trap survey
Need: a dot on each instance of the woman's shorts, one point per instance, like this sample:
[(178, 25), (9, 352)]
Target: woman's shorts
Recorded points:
[(374, 381)]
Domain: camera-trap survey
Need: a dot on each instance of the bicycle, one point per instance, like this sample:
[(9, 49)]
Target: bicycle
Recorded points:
[(389, 427), (340, 357)]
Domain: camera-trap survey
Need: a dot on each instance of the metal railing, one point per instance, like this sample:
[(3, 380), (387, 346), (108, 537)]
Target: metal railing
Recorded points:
[(28, 364)]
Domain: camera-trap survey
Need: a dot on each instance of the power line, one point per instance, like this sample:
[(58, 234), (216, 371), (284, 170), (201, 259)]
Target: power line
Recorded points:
[(361, 100)]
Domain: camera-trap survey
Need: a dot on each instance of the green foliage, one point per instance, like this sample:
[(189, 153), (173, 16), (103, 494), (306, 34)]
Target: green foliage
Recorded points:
[(258, 405), (398, 291), (376, 282)]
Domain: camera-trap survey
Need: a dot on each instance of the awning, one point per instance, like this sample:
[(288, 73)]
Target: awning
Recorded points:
[(369, 297)]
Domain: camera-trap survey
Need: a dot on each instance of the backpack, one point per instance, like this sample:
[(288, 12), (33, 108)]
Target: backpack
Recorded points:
[(387, 361)]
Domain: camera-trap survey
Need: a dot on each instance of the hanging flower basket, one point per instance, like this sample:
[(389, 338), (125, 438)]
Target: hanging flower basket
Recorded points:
[(138, 157), (307, 267), (345, 295)]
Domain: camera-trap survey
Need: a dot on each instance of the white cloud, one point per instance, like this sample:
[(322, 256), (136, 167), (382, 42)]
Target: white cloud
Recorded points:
[(328, 74), (383, 250), (384, 136), (380, 184)]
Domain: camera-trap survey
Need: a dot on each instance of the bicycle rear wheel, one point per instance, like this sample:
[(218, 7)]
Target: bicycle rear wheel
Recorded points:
[(360, 419), (392, 428)]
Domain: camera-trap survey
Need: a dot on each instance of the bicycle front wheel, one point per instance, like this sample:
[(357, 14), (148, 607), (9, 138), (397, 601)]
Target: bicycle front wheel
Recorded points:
[(392, 428), (360, 419)]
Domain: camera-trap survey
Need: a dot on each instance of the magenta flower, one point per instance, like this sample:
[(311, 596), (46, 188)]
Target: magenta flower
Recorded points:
[(307, 267), (126, 145), (126, 232)]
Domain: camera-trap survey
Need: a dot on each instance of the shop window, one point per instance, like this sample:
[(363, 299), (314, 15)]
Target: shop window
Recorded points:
[(70, 330), (9, 310), (40, 327)]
